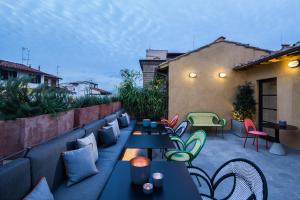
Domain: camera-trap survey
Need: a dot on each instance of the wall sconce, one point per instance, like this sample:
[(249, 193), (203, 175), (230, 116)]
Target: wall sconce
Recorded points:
[(192, 75), (222, 75), (294, 63)]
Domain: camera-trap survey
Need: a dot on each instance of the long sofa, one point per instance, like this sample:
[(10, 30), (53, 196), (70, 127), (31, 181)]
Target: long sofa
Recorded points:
[(18, 177)]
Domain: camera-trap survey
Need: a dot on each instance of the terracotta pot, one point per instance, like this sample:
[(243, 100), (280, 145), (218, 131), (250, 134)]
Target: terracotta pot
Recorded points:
[(85, 115)]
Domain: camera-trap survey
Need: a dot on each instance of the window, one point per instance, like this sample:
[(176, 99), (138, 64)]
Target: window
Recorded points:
[(6, 74), (35, 78)]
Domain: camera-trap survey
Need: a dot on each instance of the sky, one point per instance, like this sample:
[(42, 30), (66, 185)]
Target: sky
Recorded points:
[(95, 39)]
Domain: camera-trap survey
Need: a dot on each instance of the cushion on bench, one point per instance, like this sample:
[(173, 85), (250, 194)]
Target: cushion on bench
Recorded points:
[(94, 127), (15, 181), (46, 159)]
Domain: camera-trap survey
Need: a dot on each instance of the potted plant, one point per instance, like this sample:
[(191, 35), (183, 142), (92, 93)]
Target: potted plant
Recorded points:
[(244, 107)]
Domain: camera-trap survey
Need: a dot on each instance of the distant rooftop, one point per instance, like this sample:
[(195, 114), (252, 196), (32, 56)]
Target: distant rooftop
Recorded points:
[(21, 67)]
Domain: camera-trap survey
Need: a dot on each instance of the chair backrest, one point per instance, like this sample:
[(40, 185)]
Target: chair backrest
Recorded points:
[(181, 128), (203, 117), (174, 121), (249, 181), (249, 125), (199, 139)]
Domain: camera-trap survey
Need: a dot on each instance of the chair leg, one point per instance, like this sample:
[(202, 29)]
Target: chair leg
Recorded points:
[(222, 133), (267, 138), (253, 140), (257, 143), (245, 140)]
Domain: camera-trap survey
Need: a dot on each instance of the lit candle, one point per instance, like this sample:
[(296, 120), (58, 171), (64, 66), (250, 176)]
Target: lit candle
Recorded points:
[(157, 179), (140, 170), (148, 188)]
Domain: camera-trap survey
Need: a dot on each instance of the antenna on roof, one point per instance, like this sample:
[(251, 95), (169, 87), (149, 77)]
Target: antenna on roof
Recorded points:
[(25, 55), (57, 68)]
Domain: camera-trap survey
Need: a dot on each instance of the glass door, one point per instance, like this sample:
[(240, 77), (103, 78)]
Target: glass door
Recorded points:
[(267, 103)]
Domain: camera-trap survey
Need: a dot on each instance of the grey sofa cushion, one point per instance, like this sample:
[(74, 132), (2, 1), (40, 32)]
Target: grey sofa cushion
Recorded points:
[(46, 159), (40, 192), (15, 180), (107, 136), (89, 140), (94, 127), (110, 118), (91, 187), (79, 164)]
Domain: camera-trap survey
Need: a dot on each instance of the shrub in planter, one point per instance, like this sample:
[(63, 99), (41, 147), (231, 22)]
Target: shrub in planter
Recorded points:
[(244, 107)]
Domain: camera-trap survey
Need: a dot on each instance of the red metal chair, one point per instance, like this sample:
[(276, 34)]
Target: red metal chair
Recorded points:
[(251, 129), (171, 123)]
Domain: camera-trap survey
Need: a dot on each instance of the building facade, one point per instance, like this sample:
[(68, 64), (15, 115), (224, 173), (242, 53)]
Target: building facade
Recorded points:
[(13, 70), (154, 58), (81, 88), (209, 91)]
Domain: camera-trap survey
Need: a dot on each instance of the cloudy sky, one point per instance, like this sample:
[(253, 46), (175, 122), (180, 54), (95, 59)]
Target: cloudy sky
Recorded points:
[(94, 39)]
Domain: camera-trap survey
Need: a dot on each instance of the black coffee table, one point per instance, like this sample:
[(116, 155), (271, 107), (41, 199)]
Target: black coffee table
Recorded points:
[(178, 183), (149, 142)]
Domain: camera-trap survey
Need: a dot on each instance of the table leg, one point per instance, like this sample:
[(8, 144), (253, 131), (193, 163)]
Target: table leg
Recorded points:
[(276, 147), (149, 152)]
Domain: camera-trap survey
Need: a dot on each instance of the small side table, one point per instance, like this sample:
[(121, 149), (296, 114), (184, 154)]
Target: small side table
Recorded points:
[(277, 148)]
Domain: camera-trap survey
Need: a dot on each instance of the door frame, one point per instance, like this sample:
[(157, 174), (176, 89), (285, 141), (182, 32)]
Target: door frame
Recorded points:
[(260, 99)]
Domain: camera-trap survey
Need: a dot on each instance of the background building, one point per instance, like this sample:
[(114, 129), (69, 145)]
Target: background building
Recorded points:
[(13, 70), (81, 88), (153, 59)]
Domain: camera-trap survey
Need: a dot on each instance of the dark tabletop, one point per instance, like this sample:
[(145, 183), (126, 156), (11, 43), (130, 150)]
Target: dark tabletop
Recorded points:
[(276, 126), (149, 141), (177, 184), (159, 129)]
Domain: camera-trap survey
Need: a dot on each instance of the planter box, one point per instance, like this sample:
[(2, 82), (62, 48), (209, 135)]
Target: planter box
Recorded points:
[(237, 128), (85, 115), (116, 105), (16, 135), (105, 109), (11, 137)]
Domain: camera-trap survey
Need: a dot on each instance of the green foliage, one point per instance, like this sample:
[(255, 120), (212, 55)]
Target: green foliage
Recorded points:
[(244, 105), (17, 100), (147, 102), (85, 101)]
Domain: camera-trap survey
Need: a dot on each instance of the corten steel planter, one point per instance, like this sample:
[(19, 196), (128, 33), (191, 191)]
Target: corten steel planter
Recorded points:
[(16, 135), (85, 115), (105, 109), (11, 137)]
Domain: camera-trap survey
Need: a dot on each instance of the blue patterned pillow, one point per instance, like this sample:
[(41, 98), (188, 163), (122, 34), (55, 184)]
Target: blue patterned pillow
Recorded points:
[(40, 192), (79, 164)]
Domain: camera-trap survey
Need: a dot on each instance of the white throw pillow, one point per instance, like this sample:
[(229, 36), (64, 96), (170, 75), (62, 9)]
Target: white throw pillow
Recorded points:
[(115, 126), (89, 140), (127, 117)]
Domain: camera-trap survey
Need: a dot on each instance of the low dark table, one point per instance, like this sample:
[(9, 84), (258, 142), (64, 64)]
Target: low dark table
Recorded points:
[(149, 142), (276, 147), (178, 183)]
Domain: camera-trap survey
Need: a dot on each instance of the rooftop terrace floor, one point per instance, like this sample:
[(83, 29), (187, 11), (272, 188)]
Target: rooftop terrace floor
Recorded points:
[(282, 172)]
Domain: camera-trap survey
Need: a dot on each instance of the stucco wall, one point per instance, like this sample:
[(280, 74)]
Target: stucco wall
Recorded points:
[(207, 92), (288, 94)]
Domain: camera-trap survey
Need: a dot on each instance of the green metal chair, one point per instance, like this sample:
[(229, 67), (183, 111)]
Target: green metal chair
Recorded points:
[(187, 153)]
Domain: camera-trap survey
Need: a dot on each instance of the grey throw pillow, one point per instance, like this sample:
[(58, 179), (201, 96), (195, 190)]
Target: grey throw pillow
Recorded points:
[(123, 121), (89, 140), (107, 136), (40, 192), (79, 164)]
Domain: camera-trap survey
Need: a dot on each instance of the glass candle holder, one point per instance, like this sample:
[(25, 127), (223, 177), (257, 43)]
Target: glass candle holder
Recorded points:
[(147, 188), (157, 178), (140, 170), (146, 122)]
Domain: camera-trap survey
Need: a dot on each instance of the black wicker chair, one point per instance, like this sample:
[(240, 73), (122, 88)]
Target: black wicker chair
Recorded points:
[(179, 131), (243, 181)]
